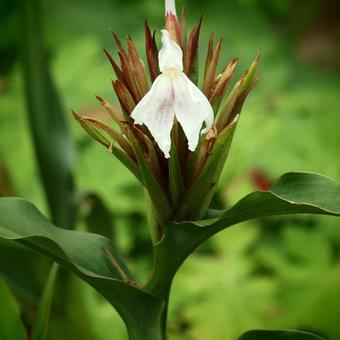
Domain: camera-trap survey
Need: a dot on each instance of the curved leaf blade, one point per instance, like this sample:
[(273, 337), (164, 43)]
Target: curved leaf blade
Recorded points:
[(78, 251), (84, 254), (278, 335), (293, 193)]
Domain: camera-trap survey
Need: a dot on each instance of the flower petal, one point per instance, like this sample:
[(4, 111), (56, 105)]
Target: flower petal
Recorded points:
[(156, 111), (192, 108), (170, 56), (170, 7)]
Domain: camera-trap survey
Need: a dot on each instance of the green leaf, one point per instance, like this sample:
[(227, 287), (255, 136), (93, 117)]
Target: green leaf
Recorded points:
[(40, 328), (293, 193), (92, 257), (53, 146), (278, 335), (11, 326), (19, 219)]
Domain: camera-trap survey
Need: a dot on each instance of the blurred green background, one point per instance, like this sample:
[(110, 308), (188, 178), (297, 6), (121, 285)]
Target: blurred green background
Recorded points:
[(271, 273)]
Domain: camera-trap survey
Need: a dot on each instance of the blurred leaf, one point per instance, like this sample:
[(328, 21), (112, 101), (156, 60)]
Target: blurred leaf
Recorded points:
[(226, 284), (40, 327), (11, 326), (53, 147), (278, 335), (307, 271), (100, 265), (23, 263), (98, 218)]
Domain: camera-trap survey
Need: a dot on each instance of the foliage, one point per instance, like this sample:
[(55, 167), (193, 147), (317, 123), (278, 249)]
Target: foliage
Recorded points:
[(106, 271), (11, 326), (291, 124)]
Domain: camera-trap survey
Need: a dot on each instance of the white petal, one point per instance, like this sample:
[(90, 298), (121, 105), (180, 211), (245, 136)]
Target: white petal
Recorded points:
[(156, 111), (170, 6), (170, 56), (192, 108)]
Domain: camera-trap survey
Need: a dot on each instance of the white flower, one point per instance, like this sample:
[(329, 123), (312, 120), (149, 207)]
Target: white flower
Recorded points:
[(173, 95), (170, 7)]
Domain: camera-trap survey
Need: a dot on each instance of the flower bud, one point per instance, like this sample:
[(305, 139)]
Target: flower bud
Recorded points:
[(173, 136)]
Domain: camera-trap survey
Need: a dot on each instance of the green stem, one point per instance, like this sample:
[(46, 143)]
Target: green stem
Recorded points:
[(160, 286), (144, 319), (165, 316), (156, 328)]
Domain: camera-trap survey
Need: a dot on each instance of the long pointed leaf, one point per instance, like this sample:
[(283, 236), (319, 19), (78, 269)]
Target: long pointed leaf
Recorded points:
[(53, 146), (40, 327)]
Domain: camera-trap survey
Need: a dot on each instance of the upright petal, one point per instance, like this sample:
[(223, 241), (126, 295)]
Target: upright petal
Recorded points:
[(192, 109), (170, 7), (157, 112), (170, 56)]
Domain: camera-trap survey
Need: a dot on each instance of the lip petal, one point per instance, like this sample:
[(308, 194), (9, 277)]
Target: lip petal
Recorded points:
[(156, 111), (192, 109)]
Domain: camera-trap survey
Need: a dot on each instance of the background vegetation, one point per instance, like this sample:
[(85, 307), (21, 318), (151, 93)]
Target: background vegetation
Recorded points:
[(273, 273)]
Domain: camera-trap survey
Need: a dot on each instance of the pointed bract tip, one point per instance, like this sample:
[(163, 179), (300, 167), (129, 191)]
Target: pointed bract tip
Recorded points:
[(257, 58), (101, 99), (107, 53), (79, 118), (75, 115), (117, 85), (170, 7), (118, 41)]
